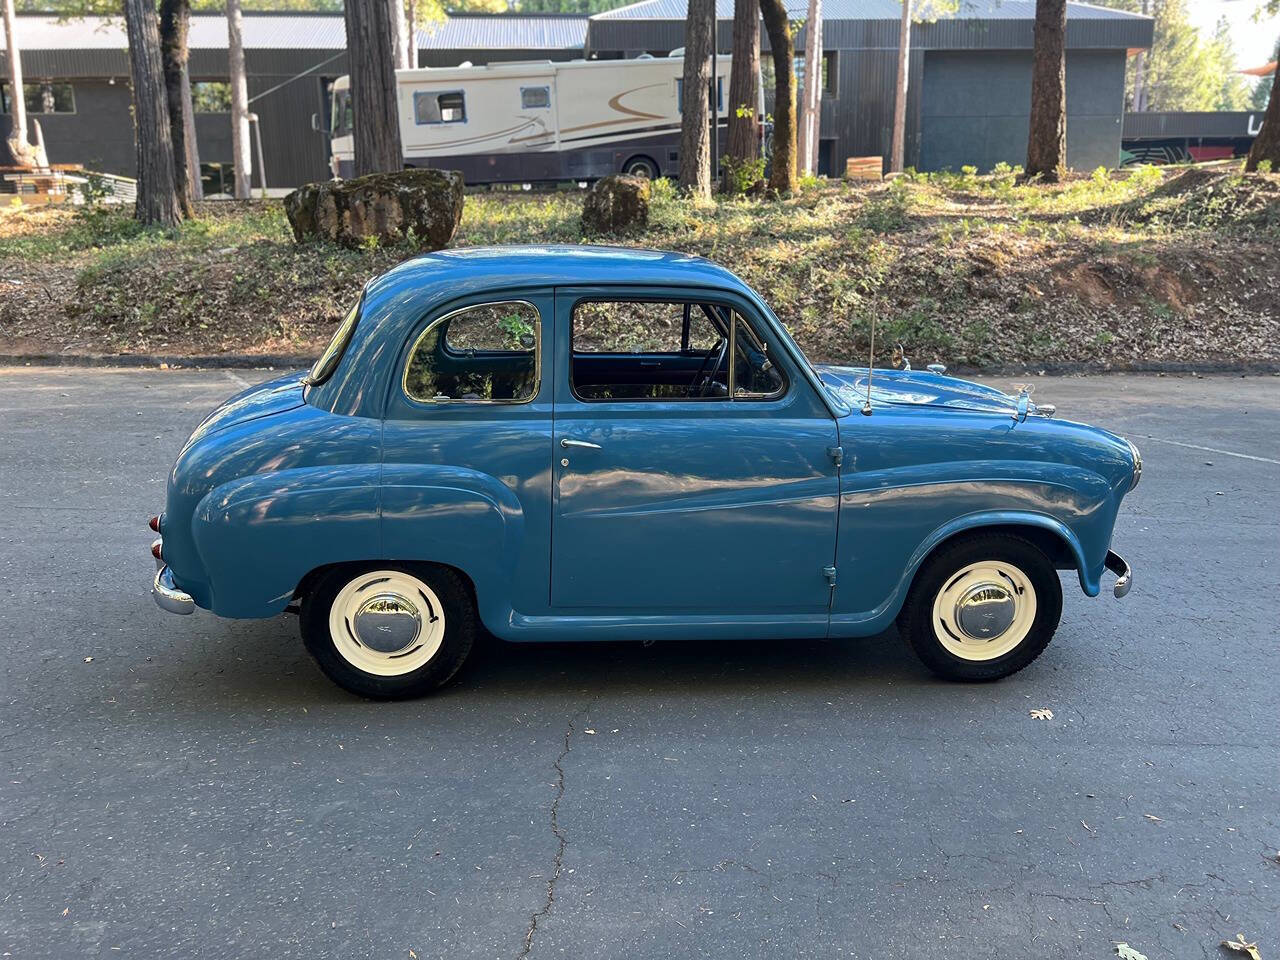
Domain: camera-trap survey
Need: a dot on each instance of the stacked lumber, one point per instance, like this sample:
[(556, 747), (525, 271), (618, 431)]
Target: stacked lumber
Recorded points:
[(864, 168)]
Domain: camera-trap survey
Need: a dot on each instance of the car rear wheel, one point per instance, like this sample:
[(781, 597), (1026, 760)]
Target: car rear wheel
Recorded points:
[(982, 607), (389, 631)]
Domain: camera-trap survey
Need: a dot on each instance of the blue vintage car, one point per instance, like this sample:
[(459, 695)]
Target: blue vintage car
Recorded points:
[(591, 443)]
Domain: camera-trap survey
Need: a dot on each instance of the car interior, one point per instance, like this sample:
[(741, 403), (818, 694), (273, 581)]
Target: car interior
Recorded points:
[(632, 350), (663, 350)]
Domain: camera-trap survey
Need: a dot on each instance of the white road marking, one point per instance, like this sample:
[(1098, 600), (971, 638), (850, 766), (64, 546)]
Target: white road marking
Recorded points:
[(1225, 453), (236, 378)]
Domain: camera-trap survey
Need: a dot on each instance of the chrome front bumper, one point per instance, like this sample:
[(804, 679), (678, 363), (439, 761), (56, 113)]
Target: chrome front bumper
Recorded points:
[(166, 595), (1124, 575)]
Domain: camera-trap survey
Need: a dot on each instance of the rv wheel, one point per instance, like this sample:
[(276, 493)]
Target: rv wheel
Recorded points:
[(641, 167)]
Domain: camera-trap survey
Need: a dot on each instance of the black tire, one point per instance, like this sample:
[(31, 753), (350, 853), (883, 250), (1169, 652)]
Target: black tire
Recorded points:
[(457, 609), (642, 166), (917, 623)]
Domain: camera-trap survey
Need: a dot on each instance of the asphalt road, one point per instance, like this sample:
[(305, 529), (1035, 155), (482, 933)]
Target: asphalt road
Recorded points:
[(193, 787)]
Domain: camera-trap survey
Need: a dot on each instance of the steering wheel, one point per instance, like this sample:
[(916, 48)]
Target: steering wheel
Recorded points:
[(718, 352)]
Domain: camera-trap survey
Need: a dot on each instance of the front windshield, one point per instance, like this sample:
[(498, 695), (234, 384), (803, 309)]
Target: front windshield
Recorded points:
[(328, 362)]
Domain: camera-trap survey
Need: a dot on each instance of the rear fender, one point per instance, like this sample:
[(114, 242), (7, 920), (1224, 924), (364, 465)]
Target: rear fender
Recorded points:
[(459, 517), (258, 536)]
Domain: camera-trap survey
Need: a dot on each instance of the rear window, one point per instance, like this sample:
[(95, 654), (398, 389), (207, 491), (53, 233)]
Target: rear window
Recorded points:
[(323, 368)]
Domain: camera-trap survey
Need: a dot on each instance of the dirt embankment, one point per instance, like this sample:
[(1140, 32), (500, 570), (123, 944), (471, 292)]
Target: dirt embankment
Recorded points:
[(1128, 272)]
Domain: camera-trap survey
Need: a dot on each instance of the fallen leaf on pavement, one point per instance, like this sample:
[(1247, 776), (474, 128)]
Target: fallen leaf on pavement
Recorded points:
[(1241, 945), (1042, 714), (1153, 818), (1126, 952)]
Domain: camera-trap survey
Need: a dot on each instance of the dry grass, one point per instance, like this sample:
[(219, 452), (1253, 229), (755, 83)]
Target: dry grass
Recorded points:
[(976, 271)]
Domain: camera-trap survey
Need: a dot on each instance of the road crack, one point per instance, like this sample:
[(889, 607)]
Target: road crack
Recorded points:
[(562, 841)]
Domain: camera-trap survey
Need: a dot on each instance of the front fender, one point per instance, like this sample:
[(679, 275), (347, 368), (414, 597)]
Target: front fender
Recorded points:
[(258, 536)]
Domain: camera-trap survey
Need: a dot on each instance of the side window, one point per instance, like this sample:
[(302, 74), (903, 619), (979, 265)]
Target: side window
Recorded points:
[(637, 350), (535, 98), (486, 352), (448, 107)]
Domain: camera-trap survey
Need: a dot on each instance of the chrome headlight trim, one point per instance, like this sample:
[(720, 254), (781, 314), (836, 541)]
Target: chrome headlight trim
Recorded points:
[(1137, 463)]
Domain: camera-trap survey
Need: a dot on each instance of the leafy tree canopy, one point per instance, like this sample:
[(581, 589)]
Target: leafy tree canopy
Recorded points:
[(1186, 69)]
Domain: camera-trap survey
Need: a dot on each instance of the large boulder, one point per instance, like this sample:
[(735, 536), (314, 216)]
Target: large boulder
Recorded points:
[(616, 204), (384, 206)]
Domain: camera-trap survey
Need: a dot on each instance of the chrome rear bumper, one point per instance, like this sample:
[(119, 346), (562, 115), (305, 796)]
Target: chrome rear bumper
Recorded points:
[(1124, 575), (166, 595)]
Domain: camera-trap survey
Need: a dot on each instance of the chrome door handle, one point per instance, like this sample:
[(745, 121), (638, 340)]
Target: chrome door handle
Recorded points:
[(583, 444)]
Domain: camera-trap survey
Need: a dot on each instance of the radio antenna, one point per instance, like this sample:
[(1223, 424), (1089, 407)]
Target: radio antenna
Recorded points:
[(871, 359)]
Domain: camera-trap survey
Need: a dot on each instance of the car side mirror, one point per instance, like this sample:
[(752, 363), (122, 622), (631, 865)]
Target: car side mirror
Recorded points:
[(317, 126), (1024, 402)]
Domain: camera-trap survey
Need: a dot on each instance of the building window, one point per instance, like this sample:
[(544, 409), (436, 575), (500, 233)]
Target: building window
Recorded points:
[(829, 73), (42, 97), (211, 96), (535, 98), (718, 106), (439, 107)]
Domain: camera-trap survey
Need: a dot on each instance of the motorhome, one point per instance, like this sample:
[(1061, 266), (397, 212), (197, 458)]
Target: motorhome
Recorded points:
[(544, 121)]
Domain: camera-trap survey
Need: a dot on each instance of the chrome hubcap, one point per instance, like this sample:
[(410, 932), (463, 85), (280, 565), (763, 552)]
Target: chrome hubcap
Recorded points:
[(985, 611), (387, 623)]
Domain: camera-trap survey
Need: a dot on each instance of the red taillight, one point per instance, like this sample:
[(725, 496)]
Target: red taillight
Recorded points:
[(157, 549), (154, 524)]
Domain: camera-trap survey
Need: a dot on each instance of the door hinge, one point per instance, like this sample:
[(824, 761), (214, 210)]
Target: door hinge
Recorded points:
[(836, 454), (830, 574)]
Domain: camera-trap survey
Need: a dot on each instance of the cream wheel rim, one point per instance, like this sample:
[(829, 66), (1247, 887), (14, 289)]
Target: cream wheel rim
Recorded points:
[(387, 623), (984, 610)]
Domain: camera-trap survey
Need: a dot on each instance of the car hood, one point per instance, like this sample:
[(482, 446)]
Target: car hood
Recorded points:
[(912, 388), (274, 396)]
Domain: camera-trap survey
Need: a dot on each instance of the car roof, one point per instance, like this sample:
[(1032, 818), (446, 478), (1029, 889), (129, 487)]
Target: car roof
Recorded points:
[(396, 301), (547, 265)]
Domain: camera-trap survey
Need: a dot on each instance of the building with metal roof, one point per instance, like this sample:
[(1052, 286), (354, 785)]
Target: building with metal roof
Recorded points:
[(968, 101), (969, 89), (79, 69)]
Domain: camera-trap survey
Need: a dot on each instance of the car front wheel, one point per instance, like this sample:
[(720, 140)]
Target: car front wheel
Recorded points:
[(389, 631), (982, 607)]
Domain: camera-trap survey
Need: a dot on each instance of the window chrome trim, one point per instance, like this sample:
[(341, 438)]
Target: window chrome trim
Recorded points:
[(434, 401)]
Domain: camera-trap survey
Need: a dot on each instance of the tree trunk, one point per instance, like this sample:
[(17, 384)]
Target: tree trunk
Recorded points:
[(373, 88), (1266, 146), (175, 20), (1047, 143), (241, 157), (157, 202), (744, 77), (19, 145), (898, 148), (193, 148), (399, 34), (412, 60), (811, 108), (1140, 72), (695, 129), (782, 174)]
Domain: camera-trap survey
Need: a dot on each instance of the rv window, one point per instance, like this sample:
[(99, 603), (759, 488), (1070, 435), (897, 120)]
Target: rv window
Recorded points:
[(439, 107), (717, 106), (535, 98)]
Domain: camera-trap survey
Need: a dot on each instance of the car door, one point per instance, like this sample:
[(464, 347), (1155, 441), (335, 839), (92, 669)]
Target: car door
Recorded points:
[(677, 499), (467, 448)]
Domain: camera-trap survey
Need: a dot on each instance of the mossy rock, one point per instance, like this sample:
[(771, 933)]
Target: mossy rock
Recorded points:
[(617, 204), (384, 206)]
